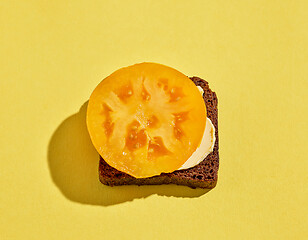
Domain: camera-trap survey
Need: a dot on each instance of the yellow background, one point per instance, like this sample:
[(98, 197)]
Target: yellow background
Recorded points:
[(52, 55)]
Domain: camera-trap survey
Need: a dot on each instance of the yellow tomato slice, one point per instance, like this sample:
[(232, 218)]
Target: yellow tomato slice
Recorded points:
[(146, 119)]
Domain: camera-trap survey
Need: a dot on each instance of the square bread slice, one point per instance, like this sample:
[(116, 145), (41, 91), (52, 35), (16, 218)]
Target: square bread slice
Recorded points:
[(203, 175)]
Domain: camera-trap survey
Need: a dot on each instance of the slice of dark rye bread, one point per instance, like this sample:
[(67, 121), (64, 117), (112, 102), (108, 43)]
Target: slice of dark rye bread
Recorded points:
[(204, 175)]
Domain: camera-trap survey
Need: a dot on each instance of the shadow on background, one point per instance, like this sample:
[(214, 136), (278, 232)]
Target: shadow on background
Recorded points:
[(73, 164)]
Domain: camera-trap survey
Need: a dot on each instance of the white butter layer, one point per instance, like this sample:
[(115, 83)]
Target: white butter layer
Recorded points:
[(205, 148), (200, 90)]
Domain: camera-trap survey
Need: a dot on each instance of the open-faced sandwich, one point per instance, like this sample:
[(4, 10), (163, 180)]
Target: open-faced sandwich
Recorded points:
[(151, 124)]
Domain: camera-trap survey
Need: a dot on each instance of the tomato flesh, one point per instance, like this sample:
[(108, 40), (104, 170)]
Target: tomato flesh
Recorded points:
[(146, 119)]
